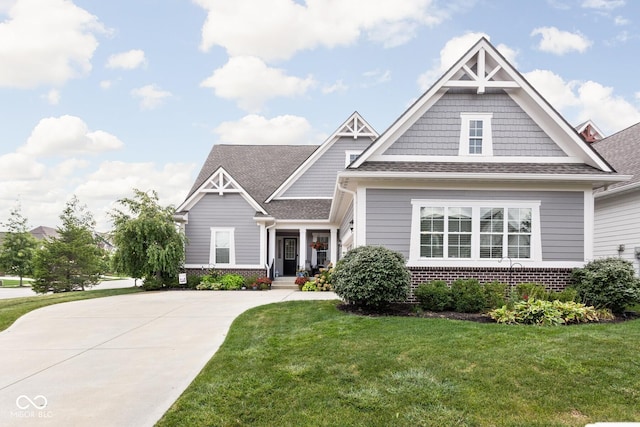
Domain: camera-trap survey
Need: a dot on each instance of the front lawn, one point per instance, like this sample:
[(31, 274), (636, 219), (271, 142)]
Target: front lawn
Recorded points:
[(308, 364), (11, 309)]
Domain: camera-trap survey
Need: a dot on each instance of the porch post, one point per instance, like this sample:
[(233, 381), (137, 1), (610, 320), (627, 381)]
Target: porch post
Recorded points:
[(302, 250), (271, 252), (333, 245)]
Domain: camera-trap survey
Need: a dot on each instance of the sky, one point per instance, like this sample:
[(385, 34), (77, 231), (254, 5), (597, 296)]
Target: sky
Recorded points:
[(101, 97)]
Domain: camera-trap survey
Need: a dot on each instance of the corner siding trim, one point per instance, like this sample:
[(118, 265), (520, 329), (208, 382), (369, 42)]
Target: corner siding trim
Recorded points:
[(555, 279)]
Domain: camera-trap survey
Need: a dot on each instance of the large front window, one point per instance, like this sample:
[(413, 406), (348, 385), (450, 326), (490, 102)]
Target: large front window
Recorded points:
[(473, 230)]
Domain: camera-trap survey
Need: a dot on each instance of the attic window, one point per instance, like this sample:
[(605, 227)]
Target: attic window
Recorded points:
[(475, 134), (351, 156)]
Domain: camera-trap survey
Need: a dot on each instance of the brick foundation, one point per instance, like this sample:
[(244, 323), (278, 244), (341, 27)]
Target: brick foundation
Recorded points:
[(244, 272), (555, 279)]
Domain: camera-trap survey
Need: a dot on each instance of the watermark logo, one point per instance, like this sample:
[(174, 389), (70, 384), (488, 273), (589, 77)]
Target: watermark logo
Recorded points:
[(25, 402), (31, 407)]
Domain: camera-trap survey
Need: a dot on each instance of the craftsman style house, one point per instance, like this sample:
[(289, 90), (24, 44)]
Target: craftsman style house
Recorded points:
[(480, 177)]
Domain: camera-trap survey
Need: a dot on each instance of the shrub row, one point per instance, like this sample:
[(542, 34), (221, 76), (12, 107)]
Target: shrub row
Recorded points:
[(230, 282), (464, 295), (545, 313)]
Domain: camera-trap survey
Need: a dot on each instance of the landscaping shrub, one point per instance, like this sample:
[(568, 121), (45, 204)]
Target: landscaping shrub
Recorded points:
[(494, 294), (372, 276), (309, 287), (434, 295), (322, 280), (193, 281), (232, 282), (607, 283), (467, 296), (566, 295), (531, 290), (301, 280), (548, 313), (263, 283)]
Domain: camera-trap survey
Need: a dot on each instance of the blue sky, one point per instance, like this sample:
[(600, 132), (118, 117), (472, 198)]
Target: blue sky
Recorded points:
[(99, 97)]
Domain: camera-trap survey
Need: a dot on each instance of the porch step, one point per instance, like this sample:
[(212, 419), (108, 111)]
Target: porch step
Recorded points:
[(284, 283)]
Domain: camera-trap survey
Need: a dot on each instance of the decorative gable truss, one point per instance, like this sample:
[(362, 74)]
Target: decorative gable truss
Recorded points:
[(220, 183), (484, 70), (355, 127)]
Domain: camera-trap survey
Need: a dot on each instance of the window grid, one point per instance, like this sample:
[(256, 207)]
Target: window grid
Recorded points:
[(431, 232), (222, 247), (475, 136)]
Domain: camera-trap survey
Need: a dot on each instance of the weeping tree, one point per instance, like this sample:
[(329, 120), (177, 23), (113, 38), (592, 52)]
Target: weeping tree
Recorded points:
[(148, 244), (18, 246), (73, 260)]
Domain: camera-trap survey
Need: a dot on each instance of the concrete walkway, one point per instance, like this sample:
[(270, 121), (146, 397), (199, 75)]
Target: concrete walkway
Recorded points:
[(116, 361)]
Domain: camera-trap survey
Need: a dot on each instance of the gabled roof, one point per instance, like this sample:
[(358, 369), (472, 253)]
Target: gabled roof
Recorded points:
[(43, 232), (483, 69), (255, 170), (622, 150), (589, 131), (354, 127)]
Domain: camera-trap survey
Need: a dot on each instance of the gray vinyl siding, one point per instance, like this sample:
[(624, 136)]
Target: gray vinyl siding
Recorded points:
[(320, 179), (617, 222), (388, 215), (348, 217), (437, 132), (227, 211)]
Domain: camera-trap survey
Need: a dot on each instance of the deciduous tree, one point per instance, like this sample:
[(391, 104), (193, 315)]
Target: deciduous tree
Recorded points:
[(148, 243)]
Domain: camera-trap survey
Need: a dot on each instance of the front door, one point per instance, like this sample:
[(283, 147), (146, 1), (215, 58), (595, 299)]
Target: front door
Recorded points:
[(290, 263)]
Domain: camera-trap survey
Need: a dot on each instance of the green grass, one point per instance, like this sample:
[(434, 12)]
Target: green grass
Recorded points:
[(308, 364), (14, 283), (11, 309)]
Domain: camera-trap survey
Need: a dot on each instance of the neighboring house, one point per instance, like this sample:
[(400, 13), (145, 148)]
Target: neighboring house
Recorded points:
[(589, 131), (480, 177), (43, 232), (617, 206)]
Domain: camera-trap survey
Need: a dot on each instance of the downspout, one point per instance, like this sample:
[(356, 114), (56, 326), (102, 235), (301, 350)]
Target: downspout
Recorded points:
[(355, 210)]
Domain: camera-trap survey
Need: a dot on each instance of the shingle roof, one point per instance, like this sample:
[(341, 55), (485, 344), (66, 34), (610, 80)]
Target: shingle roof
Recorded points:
[(260, 169), (622, 151), (489, 168)]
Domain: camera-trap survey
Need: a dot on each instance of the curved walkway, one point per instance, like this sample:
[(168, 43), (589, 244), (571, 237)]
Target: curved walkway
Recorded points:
[(116, 361)]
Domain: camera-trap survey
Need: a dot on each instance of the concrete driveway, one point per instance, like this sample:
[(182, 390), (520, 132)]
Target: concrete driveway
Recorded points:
[(116, 361), (26, 291)]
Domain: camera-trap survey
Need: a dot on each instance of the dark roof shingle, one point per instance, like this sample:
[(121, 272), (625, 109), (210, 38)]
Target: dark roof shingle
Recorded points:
[(622, 151)]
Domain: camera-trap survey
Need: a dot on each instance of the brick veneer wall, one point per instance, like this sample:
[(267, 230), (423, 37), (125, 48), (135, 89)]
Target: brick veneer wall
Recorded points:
[(244, 272), (552, 278)]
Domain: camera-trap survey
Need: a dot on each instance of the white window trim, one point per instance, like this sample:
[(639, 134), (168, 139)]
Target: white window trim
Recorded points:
[(487, 140), (232, 246), (348, 154), (475, 205)]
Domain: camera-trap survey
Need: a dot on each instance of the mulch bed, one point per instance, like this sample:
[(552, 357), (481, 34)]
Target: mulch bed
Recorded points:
[(412, 310)]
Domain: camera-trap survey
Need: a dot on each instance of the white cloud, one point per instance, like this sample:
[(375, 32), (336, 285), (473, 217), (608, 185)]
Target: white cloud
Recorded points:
[(264, 28), (254, 129), (151, 96), (106, 84), (53, 97), (338, 86), (453, 51), (67, 135), (585, 100), (376, 77), (560, 42), (250, 82), (18, 166), (46, 42), (127, 60), (621, 20), (603, 4)]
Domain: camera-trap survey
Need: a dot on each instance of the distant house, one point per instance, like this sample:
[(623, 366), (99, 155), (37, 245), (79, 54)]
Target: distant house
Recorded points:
[(480, 177), (617, 206), (44, 233)]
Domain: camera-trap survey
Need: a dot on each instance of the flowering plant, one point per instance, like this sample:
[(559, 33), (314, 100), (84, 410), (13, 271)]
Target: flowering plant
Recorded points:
[(318, 245)]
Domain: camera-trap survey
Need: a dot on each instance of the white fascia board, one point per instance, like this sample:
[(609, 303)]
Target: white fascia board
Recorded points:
[(488, 176), (313, 224), (202, 191), (619, 190), (475, 159)]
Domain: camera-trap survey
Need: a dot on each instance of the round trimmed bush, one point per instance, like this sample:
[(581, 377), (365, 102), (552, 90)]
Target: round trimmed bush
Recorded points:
[(434, 296), (607, 283), (372, 276), (468, 296)]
